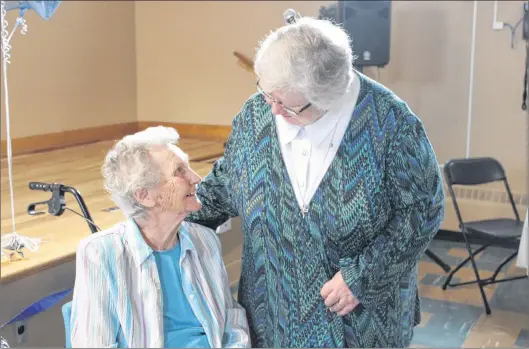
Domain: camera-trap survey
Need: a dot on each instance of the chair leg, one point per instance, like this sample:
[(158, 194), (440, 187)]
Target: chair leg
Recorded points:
[(437, 260), (476, 272), (461, 265), (507, 260)]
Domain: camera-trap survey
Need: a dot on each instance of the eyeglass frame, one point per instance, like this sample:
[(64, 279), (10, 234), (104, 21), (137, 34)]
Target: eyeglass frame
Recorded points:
[(287, 109)]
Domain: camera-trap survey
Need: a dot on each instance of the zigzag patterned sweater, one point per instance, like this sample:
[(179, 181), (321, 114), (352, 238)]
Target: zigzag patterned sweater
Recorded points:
[(377, 208)]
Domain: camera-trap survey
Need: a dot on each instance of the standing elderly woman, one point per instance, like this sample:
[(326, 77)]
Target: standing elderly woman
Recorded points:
[(153, 281), (339, 193)]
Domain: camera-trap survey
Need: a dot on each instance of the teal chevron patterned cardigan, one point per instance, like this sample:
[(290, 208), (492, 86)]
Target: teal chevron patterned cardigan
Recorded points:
[(372, 217)]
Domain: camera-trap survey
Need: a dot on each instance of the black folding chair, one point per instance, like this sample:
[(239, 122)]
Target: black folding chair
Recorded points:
[(490, 232), (437, 260)]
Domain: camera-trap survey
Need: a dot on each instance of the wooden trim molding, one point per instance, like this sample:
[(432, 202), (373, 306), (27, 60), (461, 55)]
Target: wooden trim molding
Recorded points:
[(58, 140), (198, 131)]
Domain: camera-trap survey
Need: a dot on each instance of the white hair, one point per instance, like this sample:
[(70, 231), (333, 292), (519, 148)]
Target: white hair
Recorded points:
[(312, 56), (129, 167)]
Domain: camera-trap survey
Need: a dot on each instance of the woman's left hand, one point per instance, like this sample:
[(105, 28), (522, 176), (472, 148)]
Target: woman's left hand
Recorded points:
[(338, 297)]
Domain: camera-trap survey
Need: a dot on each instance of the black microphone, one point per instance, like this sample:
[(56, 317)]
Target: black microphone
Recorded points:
[(290, 16)]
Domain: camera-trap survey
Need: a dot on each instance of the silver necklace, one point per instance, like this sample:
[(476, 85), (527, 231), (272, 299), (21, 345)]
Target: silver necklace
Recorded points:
[(305, 208)]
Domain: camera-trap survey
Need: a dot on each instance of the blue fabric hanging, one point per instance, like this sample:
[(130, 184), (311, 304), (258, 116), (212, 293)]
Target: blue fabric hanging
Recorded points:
[(45, 9), (39, 306)]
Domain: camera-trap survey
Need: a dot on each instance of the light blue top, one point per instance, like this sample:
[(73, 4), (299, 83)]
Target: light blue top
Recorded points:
[(129, 314), (180, 325)]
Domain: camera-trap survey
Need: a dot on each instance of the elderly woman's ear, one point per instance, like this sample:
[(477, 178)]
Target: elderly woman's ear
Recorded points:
[(145, 198)]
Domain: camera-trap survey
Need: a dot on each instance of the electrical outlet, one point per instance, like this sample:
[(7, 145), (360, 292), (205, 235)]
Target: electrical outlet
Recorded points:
[(20, 332), (224, 227)]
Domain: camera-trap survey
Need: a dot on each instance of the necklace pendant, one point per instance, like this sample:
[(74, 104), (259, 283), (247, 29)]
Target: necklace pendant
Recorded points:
[(305, 210)]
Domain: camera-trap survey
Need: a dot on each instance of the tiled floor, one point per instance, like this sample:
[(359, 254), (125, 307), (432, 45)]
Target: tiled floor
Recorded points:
[(456, 317)]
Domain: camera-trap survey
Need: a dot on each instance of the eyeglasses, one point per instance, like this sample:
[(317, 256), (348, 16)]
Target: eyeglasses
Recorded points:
[(287, 109)]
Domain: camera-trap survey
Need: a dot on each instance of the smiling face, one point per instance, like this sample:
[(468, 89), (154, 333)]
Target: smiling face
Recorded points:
[(177, 192)]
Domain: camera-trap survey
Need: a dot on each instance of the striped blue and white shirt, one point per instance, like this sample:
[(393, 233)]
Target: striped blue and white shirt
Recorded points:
[(117, 300)]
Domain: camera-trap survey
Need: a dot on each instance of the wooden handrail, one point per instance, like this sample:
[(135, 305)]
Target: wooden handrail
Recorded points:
[(244, 61)]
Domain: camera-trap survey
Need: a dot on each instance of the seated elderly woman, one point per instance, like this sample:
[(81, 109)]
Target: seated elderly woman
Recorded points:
[(153, 281)]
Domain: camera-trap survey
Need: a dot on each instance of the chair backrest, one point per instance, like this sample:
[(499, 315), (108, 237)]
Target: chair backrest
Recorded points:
[(66, 315), (473, 171)]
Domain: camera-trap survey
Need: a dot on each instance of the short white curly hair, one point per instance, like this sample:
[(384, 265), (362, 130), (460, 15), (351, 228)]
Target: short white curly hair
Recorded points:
[(129, 167), (313, 57)]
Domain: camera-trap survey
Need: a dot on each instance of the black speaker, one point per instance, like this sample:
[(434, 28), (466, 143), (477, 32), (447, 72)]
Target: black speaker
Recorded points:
[(368, 23)]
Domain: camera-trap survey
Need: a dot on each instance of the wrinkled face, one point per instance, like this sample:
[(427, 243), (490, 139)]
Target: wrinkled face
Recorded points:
[(177, 191), (292, 107)]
